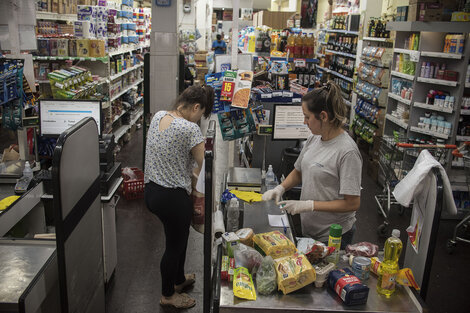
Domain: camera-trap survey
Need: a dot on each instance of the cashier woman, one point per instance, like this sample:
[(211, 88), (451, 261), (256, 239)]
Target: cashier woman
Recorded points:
[(329, 169)]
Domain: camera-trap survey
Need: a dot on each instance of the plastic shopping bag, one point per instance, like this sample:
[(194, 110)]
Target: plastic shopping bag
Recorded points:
[(266, 276)]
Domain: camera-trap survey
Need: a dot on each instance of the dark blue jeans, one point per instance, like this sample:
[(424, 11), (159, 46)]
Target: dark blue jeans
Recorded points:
[(346, 238)]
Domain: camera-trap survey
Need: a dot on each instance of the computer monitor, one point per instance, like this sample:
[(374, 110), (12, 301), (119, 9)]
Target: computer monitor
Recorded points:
[(56, 116), (288, 123)]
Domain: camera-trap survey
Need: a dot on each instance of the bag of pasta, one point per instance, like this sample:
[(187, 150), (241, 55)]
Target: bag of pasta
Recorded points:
[(243, 284), (293, 273), (274, 244)]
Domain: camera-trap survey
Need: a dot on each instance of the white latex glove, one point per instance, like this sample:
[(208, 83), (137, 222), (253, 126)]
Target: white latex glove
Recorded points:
[(274, 194), (296, 206)]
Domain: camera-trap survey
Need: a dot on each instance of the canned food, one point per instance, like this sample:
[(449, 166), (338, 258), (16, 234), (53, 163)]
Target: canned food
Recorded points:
[(361, 267)]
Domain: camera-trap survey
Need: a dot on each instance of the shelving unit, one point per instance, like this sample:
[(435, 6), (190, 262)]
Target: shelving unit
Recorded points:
[(431, 45), (50, 16), (118, 133), (349, 55)]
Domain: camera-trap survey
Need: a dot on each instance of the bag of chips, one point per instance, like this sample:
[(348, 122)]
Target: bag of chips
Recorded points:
[(274, 244), (294, 272), (243, 284)]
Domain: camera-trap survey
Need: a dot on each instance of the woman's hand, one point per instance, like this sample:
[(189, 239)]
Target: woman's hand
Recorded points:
[(295, 206), (274, 194)]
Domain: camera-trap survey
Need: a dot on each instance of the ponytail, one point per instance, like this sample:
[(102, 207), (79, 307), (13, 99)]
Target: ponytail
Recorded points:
[(327, 98), (196, 94)]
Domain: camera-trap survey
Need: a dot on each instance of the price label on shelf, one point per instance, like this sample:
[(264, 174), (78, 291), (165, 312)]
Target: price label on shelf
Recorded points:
[(53, 58), (82, 59), (300, 63), (277, 94), (414, 56), (266, 95), (287, 94), (296, 100), (93, 59)]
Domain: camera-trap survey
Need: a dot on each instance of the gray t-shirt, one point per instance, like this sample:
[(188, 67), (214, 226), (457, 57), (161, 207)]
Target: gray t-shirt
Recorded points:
[(330, 169)]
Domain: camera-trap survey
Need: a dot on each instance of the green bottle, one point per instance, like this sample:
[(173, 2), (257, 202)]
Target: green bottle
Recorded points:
[(334, 240)]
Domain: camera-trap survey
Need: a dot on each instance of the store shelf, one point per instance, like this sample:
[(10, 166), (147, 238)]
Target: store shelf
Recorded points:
[(126, 90), (349, 55), (406, 51), (398, 98), (139, 99), (49, 58), (43, 81), (443, 27), (119, 116), (40, 15), (464, 112), (373, 62), (377, 39), (308, 60), (462, 138), (443, 55), (111, 78), (347, 32), (349, 79), (397, 121), (127, 50), (428, 132), (403, 75), (432, 107), (324, 69), (459, 187), (437, 81), (467, 85), (124, 128)]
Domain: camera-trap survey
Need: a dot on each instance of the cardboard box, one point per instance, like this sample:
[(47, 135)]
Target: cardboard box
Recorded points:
[(228, 15), (402, 13), (430, 12), (275, 20), (55, 6)]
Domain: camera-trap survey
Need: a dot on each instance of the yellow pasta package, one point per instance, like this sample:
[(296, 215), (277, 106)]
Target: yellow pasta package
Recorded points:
[(243, 286), (293, 273), (274, 244)]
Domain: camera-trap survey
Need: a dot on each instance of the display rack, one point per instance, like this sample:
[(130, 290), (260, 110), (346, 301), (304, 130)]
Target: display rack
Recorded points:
[(430, 49)]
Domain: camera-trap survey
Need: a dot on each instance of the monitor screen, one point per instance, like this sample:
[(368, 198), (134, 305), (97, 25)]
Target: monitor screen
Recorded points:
[(56, 116), (288, 123)]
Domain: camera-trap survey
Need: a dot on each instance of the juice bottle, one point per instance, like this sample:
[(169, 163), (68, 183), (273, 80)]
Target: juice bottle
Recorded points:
[(388, 269), (305, 41), (311, 46), (299, 42), (290, 45)]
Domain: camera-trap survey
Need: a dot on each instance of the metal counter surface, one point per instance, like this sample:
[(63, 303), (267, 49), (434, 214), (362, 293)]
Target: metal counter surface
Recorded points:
[(308, 298), (20, 264)]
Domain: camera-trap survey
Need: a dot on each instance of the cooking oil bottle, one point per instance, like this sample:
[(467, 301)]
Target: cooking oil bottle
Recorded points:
[(389, 268)]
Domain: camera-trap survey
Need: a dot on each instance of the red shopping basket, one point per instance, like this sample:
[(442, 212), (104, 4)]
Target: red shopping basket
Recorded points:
[(133, 188)]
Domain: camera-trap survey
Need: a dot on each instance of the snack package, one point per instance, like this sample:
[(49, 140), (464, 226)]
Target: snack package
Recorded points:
[(293, 273), (247, 257), (274, 244), (241, 96), (266, 277), (246, 236), (243, 284), (224, 268), (405, 277), (362, 249), (231, 268), (318, 252), (228, 85)]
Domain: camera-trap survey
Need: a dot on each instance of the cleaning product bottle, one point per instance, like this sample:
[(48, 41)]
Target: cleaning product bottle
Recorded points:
[(270, 178), (232, 215), (334, 240), (388, 269)]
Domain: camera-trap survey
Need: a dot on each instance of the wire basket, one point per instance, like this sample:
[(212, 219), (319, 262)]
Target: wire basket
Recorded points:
[(133, 188)]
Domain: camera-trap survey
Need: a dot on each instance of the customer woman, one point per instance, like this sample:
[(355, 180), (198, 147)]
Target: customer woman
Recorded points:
[(329, 168), (174, 146)]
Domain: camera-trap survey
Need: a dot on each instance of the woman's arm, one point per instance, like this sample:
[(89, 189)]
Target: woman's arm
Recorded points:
[(198, 154), (293, 179), (349, 204)]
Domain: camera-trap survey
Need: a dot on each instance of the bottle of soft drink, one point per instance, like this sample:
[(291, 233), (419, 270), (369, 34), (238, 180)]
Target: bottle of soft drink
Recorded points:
[(388, 269)]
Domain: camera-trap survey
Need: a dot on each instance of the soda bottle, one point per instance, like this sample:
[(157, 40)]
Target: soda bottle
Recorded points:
[(388, 269)]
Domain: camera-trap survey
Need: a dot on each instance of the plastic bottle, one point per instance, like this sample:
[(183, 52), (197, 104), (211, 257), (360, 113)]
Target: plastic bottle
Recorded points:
[(389, 268), (270, 178), (311, 46), (23, 183), (27, 171), (232, 215), (299, 42), (290, 45), (423, 68), (334, 240)]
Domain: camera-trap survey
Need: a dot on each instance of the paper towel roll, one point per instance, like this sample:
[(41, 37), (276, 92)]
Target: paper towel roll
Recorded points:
[(84, 9), (102, 14), (84, 29), (101, 30), (84, 17), (219, 227)]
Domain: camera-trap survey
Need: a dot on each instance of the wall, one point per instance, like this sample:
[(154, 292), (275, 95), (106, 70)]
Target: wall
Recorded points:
[(200, 17), (228, 4), (284, 5), (323, 8), (390, 6)]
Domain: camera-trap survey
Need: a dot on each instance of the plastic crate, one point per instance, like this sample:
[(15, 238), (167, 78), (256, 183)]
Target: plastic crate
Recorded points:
[(133, 188)]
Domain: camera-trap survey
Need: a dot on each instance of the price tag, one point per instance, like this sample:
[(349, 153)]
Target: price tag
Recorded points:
[(414, 56), (287, 94), (266, 95), (300, 63), (82, 59), (53, 58), (277, 94), (296, 100), (93, 59)]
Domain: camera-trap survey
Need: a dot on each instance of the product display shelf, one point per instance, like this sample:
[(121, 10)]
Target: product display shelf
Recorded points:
[(442, 55), (402, 75), (398, 98), (135, 84), (349, 55), (341, 31), (437, 81), (407, 51), (397, 121), (115, 76), (377, 39), (462, 138), (128, 49), (118, 133), (51, 16), (428, 132), (56, 58), (464, 112), (432, 107), (349, 79), (119, 116)]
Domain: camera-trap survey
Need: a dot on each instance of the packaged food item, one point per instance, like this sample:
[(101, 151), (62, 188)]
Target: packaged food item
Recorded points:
[(246, 236), (266, 276), (348, 287), (224, 268), (366, 249), (62, 47), (405, 277), (361, 267), (230, 240), (247, 257), (322, 269), (242, 92), (274, 244), (243, 284), (293, 273), (97, 49), (83, 49), (318, 252), (374, 265), (231, 268)]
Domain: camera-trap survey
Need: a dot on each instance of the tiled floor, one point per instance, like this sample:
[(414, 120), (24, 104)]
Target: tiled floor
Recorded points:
[(135, 287)]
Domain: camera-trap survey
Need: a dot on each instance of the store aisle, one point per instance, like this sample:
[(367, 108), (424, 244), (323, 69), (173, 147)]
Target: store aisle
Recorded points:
[(135, 287)]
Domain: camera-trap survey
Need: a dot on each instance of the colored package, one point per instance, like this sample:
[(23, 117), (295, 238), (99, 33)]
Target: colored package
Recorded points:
[(348, 287), (97, 48), (73, 47), (241, 95), (243, 286), (405, 277), (231, 268), (84, 9), (83, 47), (228, 85), (102, 3), (224, 268), (246, 236), (363, 249), (274, 244), (101, 14), (84, 29), (101, 30), (53, 46), (62, 47), (293, 273), (318, 252)]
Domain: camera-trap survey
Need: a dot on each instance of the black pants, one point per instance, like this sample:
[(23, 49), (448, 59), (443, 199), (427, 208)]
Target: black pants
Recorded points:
[(174, 209)]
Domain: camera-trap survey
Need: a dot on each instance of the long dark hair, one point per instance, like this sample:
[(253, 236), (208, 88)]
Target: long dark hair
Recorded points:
[(327, 98), (196, 94)]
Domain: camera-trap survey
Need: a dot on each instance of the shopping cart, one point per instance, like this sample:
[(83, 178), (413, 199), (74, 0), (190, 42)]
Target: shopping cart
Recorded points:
[(396, 159), (461, 152)]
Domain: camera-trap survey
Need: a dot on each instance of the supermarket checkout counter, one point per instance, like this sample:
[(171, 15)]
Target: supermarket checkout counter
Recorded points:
[(309, 298)]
